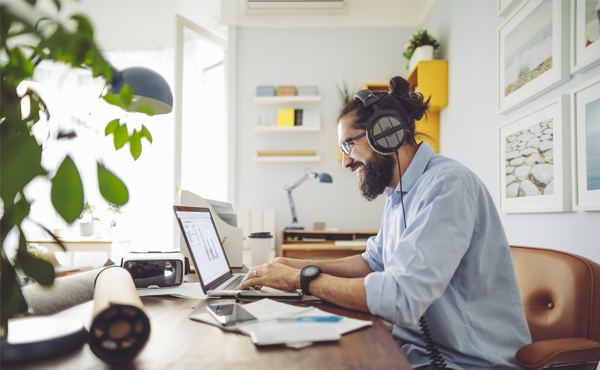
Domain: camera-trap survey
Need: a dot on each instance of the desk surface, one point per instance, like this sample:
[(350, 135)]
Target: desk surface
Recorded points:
[(176, 342)]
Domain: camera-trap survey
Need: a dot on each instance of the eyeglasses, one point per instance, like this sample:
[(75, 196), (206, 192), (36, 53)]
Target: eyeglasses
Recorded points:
[(346, 146)]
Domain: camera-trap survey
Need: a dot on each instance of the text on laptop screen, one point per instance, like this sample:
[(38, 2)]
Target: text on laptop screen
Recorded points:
[(205, 247)]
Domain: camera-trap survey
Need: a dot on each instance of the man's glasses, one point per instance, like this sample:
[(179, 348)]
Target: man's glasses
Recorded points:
[(346, 146)]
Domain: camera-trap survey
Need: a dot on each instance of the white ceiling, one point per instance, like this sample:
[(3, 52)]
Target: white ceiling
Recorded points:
[(357, 14)]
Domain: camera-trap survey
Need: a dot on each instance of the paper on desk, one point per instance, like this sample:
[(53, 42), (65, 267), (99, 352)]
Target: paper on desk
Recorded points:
[(185, 290), (267, 311)]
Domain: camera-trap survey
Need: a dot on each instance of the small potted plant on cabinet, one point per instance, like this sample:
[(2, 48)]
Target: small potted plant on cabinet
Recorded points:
[(420, 47), (86, 225), (116, 210)]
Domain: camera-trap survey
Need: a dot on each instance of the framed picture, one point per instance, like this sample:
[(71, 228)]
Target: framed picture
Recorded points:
[(535, 160), (505, 6), (585, 35), (533, 52), (585, 134)]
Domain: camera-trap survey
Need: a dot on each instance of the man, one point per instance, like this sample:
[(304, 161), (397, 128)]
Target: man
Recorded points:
[(441, 252)]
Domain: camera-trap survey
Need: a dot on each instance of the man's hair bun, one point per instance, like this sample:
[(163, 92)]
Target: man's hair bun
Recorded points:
[(399, 86)]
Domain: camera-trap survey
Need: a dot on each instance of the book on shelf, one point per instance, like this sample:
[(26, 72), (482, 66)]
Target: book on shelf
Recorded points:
[(314, 240), (285, 117), (297, 117), (280, 153)]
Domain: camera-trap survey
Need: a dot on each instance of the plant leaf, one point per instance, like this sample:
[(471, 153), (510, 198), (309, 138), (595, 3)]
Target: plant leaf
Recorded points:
[(145, 109), (113, 99), (9, 296), (121, 137), (135, 145), (111, 127), (67, 191), (126, 95), (36, 268), (145, 133), (111, 188)]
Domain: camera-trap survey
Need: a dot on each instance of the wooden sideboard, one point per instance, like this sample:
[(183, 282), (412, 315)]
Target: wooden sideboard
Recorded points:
[(321, 243)]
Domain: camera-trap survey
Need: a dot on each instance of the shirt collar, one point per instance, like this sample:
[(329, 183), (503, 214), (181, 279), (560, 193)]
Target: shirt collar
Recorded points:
[(415, 170)]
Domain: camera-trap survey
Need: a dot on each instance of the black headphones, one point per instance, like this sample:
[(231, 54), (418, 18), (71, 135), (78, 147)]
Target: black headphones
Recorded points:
[(386, 130)]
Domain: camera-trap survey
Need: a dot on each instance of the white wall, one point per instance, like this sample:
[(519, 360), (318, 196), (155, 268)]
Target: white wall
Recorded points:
[(320, 57), (469, 125)]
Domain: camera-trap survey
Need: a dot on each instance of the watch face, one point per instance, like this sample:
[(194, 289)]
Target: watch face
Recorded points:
[(310, 271)]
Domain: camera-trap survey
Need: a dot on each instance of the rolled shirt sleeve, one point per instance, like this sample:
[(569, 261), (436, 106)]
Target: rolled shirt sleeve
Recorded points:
[(413, 267)]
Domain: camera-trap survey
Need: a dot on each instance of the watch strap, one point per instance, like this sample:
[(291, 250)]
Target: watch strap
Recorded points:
[(305, 280)]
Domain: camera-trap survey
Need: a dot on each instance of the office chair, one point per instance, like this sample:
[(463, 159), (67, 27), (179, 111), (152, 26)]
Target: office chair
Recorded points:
[(561, 297)]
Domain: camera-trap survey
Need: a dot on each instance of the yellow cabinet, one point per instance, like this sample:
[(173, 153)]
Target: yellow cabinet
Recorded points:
[(430, 78)]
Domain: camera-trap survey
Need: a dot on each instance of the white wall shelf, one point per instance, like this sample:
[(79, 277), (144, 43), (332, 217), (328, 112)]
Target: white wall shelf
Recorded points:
[(300, 158), (266, 100), (265, 129)]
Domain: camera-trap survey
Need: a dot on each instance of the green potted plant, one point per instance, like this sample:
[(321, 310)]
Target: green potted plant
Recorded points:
[(345, 93), (86, 225), (420, 47), (25, 40), (115, 209)]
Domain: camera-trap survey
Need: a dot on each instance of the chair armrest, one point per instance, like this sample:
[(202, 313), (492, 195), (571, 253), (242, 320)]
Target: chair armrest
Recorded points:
[(557, 351)]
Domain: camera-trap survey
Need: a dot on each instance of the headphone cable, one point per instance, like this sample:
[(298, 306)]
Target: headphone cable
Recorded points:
[(437, 361)]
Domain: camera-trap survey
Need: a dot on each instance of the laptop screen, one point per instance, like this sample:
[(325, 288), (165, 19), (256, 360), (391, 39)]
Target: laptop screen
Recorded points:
[(203, 243)]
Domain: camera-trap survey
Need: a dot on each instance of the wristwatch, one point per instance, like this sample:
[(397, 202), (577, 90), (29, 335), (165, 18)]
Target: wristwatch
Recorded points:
[(308, 274)]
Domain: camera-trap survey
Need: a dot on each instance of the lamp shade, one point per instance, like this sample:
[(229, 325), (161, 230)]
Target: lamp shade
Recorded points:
[(323, 177), (149, 88)]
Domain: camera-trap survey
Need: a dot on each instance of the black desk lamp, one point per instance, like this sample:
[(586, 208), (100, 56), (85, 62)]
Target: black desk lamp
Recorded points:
[(149, 88), (308, 174)]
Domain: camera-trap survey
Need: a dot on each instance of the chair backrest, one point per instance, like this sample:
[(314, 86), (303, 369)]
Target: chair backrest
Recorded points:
[(558, 291)]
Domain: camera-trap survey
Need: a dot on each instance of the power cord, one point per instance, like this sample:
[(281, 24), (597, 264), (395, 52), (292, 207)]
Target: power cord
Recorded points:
[(437, 361)]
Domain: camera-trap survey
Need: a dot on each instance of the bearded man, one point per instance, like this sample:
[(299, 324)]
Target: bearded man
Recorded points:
[(441, 256)]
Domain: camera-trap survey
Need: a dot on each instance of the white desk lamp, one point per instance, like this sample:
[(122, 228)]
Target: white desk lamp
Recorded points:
[(308, 174)]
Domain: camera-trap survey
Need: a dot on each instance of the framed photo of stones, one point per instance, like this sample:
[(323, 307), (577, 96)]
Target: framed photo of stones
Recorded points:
[(535, 160), (585, 143), (585, 35), (505, 6), (533, 52)]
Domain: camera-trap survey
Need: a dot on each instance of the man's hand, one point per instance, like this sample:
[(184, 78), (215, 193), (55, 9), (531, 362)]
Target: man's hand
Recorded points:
[(292, 262), (273, 274)]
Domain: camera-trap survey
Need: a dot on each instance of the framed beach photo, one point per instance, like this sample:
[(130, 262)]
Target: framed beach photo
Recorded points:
[(585, 35), (533, 52), (585, 143), (505, 6), (535, 161)]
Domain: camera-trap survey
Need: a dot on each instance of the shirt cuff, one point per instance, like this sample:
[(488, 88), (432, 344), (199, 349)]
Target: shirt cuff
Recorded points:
[(374, 266)]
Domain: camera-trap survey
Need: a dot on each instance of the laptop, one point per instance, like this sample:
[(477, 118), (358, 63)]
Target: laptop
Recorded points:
[(209, 258)]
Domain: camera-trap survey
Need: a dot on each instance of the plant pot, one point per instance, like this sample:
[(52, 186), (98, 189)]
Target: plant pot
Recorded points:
[(86, 228), (424, 52)]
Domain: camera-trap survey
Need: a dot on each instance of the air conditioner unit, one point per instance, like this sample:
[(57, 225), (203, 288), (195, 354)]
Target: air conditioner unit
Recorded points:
[(294, 4)]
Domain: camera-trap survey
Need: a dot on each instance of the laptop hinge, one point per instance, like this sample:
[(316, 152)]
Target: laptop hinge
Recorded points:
[(219, 282)]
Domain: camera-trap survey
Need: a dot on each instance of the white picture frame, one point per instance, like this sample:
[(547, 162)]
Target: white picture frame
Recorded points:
[(533, 52), (505, 6), (585, 130), (535, 164), (585, 36)]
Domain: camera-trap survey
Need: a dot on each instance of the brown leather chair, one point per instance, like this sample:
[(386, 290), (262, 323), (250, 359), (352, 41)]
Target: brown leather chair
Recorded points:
[(561, 297)]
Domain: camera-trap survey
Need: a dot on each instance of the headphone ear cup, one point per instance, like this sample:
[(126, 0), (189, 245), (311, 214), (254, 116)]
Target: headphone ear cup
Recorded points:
[(386, 135)]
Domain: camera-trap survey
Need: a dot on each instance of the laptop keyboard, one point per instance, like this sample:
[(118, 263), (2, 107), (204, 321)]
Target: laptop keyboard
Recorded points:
[(234, 284)]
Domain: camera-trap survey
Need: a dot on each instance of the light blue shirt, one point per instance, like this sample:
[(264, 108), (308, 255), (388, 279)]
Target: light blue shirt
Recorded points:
[(452, 263)]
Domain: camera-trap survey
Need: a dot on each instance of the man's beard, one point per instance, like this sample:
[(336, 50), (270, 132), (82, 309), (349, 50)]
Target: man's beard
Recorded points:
[(377, 173)]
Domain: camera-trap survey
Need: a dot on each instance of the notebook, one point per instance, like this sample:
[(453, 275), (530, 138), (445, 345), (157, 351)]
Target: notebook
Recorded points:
[(212, 267)]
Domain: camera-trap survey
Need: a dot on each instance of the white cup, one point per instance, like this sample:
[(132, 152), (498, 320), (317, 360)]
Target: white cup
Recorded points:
[(260, 247)]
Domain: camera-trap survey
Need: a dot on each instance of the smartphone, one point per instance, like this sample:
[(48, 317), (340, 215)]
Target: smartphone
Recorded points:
[(230, 313)]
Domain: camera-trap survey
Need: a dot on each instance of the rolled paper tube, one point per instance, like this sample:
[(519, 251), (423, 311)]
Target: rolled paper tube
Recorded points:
[(120, 327)]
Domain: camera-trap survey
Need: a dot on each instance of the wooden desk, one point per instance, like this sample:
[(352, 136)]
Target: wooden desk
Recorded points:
[(294, 244), (176, 342)]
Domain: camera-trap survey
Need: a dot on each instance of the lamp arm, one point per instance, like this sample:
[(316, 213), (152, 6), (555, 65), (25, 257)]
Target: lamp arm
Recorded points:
[(299, 182), (292, 205)]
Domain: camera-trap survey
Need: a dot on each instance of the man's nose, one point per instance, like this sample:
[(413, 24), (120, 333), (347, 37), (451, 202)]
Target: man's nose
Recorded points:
[(346, 160)]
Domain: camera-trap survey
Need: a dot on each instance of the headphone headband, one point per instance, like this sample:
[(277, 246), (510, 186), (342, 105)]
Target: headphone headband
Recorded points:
[(366, 97)]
